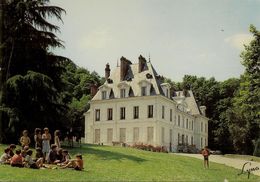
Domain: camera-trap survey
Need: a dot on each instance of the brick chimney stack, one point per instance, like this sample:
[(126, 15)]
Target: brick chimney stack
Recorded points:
[(107, 71), (93, 89), (142, 62), (124, 66)]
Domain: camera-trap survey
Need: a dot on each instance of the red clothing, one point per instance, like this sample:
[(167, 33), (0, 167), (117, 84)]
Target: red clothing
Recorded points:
[(17, 159)]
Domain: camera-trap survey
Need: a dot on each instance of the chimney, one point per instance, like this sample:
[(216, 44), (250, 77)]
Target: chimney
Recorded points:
[(203, 110), (93, 89), (142, 62), (124, 66), (107, 71)]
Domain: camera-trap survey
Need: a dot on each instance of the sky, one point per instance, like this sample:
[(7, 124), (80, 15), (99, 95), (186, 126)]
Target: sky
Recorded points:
[(194, 37)]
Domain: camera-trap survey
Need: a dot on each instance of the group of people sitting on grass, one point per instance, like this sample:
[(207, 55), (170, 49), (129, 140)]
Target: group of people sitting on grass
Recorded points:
[(46, 155)]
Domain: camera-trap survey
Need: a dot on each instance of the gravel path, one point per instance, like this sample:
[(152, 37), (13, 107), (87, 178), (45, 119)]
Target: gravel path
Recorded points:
[(236, 163)]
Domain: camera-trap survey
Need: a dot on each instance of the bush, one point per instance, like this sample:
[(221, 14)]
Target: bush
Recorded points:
[(257, 148)]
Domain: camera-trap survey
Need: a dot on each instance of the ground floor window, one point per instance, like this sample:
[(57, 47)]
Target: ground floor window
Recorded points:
[(162, 134), (122, 136), (182, 139), (97, 136), (150, 134), (136, 134), (109, 135), (171, 136), (201, 144)]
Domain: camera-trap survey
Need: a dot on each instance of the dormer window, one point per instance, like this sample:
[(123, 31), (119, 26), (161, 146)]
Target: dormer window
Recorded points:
[(143, 91), (122, 93), (104, 95)]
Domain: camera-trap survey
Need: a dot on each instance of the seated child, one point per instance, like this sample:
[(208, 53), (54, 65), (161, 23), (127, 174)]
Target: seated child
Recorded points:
[(52, 157), (24, 151), (17, 159), (25, 140), (65, 158), (30, 163), (39, 153), (59, 155), (5, 158), (12, 147), (77, 163)]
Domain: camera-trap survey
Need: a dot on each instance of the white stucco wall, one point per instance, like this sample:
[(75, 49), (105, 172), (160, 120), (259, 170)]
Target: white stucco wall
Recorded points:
[(143, 122)]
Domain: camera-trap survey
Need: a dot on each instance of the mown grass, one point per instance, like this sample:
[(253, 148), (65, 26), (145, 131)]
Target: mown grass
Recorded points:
[(244, 157), (104, 163)]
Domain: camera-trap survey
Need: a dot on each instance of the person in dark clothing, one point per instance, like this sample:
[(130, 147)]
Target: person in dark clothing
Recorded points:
[(52, 157), (12, 147)]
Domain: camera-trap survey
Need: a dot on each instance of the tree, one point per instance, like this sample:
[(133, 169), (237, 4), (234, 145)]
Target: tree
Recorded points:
[(2, 4), (245, 116), (27, 62)]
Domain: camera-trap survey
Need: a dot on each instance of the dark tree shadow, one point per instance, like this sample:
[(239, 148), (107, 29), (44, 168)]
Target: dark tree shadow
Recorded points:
[(104, 154)]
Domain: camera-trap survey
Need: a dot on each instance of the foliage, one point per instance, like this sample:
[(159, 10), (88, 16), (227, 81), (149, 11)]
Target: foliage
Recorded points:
[(31, 73), (257, 148), (245, 115)]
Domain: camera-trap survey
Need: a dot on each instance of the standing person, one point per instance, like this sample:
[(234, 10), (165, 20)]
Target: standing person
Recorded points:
[(25, 140), (205, 152), (46, 138), (38, 138), (57, 138)]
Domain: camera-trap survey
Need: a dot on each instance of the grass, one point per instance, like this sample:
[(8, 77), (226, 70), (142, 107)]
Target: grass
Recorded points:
[(244, 157), (103, 163)]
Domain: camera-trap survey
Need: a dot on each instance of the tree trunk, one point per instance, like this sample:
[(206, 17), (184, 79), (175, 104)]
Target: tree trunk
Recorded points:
[(2, 70)]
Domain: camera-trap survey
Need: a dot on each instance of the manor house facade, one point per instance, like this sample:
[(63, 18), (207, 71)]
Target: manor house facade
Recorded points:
[(135, 106)]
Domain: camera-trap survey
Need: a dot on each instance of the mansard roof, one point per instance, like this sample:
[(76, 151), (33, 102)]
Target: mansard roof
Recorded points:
[(133, 79)]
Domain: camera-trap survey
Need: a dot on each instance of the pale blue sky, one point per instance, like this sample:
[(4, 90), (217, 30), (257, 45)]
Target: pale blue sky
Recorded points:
[(182, 37)]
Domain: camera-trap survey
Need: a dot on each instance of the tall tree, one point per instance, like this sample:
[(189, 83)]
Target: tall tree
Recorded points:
[(30, 68), (2, 4), (245, 116)]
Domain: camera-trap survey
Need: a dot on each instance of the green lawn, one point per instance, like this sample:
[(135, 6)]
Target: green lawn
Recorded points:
[(104, 163), (244, 157)]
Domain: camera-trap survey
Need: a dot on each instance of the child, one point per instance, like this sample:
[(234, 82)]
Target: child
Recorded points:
[(77, 163), (56, 138), (30, 163), (25, 140), (17, 159), (46, 137), (205, 153), (59, 155), (12, 147), (52, 157), (5, 158), (24, 151), (37, 138), (38, 154), (65, 158)]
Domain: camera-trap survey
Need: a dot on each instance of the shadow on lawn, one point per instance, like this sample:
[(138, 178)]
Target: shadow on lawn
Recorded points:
[(104, 154)]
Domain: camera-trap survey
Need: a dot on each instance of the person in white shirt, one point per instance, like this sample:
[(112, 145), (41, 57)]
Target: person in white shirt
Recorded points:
[(5, 158), (30, 163)]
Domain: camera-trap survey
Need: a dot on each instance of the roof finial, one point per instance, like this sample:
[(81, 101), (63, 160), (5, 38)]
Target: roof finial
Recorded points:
[(149, 57)]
